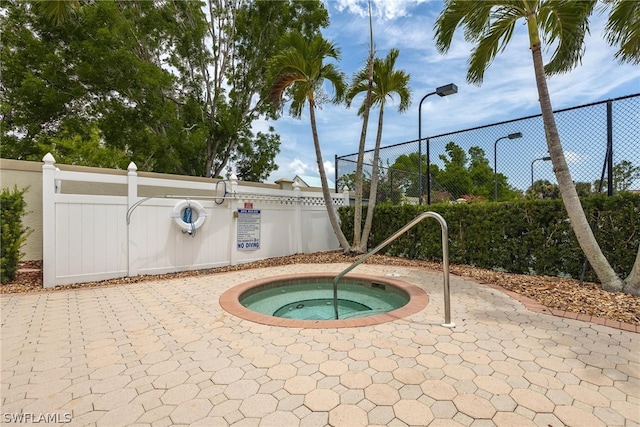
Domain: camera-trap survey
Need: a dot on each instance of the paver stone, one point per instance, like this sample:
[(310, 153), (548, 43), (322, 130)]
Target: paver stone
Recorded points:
[(258, 405), (474, 406), (382, 394), (191, 411), (573, 416), (413, 412), (350, 415), (532, 400), (322, 400)]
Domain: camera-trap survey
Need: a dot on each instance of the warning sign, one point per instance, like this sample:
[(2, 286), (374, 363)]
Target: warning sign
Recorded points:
[(248, 229)]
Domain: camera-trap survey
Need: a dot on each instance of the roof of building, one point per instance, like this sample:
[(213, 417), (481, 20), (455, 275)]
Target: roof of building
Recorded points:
[(312, 181)]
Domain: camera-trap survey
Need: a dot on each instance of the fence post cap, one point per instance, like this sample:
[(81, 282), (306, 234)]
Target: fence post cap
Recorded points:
[(48, 159)]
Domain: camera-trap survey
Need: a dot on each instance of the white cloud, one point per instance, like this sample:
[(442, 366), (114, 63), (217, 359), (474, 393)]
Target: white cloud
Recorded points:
[(329, 169), (381, 9), (573, 157), (298, 167)]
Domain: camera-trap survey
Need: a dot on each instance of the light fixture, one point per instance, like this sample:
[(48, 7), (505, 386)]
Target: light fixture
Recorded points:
[(514, 135), (544, 159), (445, 90)]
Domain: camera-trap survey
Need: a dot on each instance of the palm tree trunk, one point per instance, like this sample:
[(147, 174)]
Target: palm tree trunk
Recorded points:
[(373, 191), (632, 282), (587, 241), (359, 178), (333, 216), (357, 214)]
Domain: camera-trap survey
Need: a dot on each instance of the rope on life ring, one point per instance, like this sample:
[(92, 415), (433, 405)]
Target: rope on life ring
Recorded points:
[(183, 216)]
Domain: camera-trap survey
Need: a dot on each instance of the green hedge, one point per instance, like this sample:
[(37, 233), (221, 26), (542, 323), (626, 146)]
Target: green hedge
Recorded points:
[(12, 207), (530, 237)]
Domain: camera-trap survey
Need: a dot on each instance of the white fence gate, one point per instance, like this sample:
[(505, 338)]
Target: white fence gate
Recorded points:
[(135, 228)]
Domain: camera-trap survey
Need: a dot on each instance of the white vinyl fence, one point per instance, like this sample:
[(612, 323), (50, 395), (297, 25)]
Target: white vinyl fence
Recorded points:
[(135, 225)]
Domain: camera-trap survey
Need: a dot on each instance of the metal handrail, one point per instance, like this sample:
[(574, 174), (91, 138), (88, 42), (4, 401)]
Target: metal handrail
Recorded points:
[(445, 262)]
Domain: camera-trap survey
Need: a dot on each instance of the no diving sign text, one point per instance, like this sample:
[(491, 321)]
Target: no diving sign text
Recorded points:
[(248, 229)]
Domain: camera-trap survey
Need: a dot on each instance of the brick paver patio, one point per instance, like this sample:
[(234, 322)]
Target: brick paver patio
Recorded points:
[(165, 353)]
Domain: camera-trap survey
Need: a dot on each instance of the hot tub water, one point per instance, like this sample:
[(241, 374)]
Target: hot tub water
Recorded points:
[(314, 301)]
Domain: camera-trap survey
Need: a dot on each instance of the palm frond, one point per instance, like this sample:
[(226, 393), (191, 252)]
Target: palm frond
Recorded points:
[(623, 29), (494, 41), (299, 71), (565, 23), (282, 82), (58, 11), (452, 16), (387, 82), (356, 88), (335, 77)]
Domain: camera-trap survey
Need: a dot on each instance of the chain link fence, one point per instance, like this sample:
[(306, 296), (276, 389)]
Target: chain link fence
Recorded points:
[(509, 160)]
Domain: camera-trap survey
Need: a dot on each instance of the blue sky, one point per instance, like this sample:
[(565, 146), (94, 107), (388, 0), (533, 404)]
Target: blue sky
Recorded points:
[(508, 90)]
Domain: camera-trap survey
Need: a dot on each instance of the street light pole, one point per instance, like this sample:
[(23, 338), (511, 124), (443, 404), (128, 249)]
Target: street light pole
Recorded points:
[(445, 90), (545, 159), (495, 161)]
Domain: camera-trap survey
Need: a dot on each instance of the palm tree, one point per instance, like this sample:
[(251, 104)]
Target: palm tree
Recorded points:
[(562, 24), (623, 29), (299, 71), (386, 83)]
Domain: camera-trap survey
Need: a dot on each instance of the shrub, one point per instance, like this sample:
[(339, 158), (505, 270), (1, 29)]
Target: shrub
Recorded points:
[(12, 207), (525, 236)]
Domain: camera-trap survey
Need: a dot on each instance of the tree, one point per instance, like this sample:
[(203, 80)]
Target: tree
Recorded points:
[(68, 80), (543, 189), (624, 175), (583, 188), (349, 180), (461, 174), (454, 176), (389, 181), (170, 87), (226, 67), (299, 71), (254, 162), (388, 190), (469, 175), (85, 151), (405, 170), (387, 82), (489, 25), (482, 177)]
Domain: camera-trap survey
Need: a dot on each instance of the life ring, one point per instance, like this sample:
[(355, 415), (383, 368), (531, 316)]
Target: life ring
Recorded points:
[(178, 215)]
